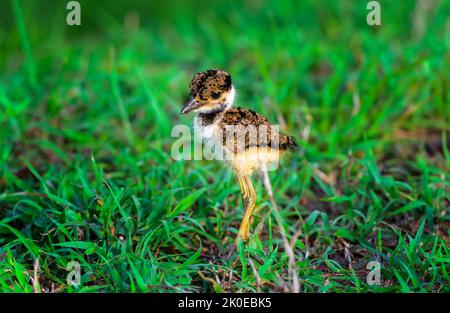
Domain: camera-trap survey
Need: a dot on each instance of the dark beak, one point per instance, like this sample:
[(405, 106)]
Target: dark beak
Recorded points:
[(190, 106)]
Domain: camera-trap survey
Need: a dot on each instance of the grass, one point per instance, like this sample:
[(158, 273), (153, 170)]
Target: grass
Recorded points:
[(86, 172)]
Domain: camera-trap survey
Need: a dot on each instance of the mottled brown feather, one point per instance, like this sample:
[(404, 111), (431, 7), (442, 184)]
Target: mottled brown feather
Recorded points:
[(244, 117), (205, 84)]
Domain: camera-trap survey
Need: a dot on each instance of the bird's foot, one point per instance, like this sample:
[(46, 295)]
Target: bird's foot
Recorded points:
[(244, 233)]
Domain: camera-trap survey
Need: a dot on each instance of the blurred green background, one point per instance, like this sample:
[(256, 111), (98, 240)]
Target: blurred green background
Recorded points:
[(86, 114)]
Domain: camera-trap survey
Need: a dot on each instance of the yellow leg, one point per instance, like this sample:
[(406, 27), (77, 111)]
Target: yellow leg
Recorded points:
[(248, 201), (243, 186)]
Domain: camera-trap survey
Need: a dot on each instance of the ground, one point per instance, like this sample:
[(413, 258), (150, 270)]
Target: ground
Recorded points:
[(87, 175)]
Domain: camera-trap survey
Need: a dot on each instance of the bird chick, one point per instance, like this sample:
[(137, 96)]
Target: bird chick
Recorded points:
[(247, 141)]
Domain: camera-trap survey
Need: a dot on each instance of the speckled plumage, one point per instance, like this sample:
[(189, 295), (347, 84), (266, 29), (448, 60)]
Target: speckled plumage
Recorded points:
[(206, 85), (245, 117)]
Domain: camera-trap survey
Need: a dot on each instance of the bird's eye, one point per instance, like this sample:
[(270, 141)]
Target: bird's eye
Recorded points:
[(215, 95)]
